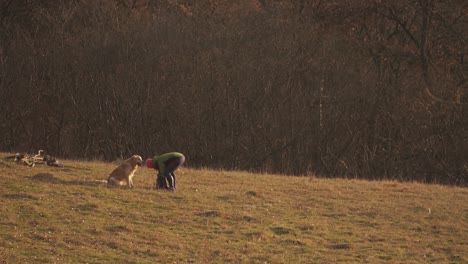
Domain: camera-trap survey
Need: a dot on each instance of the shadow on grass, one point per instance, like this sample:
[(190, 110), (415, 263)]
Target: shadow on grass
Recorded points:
[(21, 196), (118, 229), (278, 230), (209, 214), (49, 178), (6, 164), (45, 177)]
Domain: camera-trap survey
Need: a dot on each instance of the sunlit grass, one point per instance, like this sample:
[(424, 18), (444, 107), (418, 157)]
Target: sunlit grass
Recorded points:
[(63, 215)]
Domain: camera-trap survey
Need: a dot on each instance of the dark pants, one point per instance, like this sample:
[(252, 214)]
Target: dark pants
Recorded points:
[(161, 182), (169, 175)]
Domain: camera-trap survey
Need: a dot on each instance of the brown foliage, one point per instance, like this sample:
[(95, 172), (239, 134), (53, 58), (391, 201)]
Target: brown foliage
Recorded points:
[(295, 87)]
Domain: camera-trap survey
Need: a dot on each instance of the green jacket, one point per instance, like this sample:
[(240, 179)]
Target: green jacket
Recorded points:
[(159, 162)]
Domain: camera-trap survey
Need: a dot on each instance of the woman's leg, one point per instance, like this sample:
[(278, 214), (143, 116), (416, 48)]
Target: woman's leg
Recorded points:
[(161, 182), (171, 166)]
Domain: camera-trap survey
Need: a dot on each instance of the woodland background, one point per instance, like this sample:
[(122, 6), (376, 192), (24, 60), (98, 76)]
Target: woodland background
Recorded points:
[(359, 89)]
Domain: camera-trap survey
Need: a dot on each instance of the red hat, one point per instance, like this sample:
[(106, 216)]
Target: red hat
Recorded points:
[(149, 163)]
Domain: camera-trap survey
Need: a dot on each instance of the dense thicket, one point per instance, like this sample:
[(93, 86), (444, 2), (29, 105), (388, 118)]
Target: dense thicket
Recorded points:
[(364, 89)]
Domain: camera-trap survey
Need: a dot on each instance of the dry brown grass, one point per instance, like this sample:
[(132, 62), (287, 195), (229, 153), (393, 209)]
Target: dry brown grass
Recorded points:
[(62, 215)]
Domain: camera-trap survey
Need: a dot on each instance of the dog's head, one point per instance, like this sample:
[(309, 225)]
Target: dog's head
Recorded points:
[(136, 159)]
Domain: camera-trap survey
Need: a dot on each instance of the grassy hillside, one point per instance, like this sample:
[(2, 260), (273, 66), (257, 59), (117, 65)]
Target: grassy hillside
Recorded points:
[(62, 215)]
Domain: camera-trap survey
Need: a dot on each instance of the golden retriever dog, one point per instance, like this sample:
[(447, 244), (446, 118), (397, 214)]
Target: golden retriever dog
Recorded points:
[(125, 171)]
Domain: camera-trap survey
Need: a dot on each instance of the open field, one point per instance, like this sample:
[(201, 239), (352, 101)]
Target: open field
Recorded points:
[(62, 215)]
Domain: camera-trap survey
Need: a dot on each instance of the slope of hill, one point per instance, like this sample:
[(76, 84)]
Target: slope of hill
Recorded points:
[(63, 215)]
